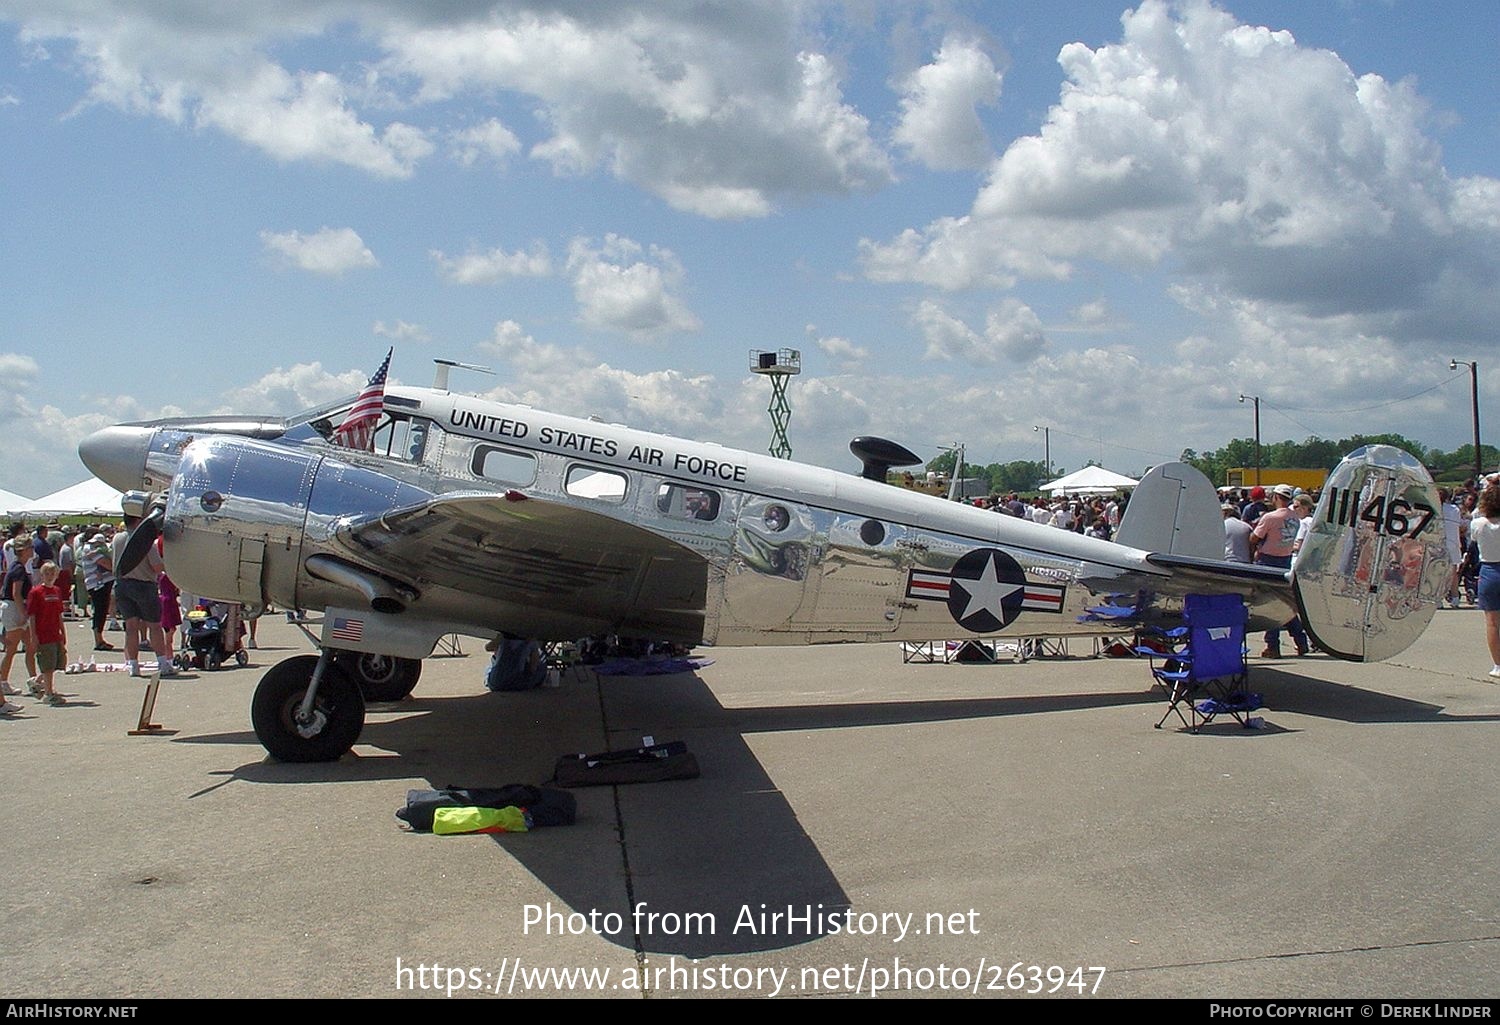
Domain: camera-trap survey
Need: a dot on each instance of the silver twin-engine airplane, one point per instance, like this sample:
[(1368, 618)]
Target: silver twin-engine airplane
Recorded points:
[(476, 517)]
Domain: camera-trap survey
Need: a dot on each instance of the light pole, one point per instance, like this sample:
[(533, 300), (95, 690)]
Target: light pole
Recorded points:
[(1046, 447), (1473, 365), (1255, 399)]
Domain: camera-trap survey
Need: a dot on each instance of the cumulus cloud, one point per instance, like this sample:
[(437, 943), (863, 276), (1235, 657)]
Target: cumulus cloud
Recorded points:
[(17, 366), (1264, 167), (721, 110), (329, 251), (495, 265), (572, 380), (401, 331), (940, 123), (621, 286), (489, 140), (841, 350), (1011, 332), (286, 390)]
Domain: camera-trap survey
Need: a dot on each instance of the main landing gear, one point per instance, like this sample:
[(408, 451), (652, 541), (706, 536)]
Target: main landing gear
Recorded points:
[(381, 677), (294, 729)]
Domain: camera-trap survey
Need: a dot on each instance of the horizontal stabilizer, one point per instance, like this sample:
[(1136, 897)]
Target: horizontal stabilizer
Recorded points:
[(1174, 510)]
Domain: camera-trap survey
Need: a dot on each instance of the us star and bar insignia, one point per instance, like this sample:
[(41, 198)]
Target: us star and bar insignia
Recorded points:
[(985, 591)]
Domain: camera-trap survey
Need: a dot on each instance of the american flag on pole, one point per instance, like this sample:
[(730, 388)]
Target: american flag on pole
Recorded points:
[(358, 429)]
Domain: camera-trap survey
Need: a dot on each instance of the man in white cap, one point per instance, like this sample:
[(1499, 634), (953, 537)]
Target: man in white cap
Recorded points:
[(1273, 542)]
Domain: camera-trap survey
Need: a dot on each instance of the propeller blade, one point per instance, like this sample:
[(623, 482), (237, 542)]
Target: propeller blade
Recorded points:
[(140, 541)]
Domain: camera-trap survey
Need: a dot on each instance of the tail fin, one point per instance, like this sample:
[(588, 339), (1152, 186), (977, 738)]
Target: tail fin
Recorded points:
[(1174, 510), (1374, 565)]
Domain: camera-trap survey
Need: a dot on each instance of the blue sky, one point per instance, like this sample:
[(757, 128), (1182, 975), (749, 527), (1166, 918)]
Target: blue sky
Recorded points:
[(971, 218)]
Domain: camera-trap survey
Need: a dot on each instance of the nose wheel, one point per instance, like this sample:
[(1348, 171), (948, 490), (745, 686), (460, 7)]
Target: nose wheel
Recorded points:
[(321, 733)]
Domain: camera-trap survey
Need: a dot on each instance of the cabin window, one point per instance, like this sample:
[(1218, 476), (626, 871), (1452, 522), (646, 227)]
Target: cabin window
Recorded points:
[(777, 518), (401, 437), (504, 465), (593, 482), (682, 502)]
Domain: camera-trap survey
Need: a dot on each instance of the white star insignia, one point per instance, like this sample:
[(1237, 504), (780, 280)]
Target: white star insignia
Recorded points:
[(986, 593)]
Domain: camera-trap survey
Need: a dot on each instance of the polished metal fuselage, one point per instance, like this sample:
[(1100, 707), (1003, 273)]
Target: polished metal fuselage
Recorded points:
[(794, 553)]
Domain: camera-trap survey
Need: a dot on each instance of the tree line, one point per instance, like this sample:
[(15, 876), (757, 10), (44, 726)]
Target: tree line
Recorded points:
[(1025, 475)]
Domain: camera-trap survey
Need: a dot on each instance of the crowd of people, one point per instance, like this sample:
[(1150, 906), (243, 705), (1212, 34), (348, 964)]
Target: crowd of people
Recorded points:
[(57, 573), (1095, 516)]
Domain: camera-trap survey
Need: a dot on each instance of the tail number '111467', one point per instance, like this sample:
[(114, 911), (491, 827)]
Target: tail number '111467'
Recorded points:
[(1398, 517)]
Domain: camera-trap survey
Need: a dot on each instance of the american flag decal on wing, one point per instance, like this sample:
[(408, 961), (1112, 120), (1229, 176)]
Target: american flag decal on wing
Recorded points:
[(347, 629)]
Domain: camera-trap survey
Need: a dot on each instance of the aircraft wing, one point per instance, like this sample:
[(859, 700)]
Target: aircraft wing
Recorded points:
[(527, 552)]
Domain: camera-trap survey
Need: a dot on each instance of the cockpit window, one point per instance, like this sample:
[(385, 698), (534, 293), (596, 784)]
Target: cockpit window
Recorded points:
[(401, 437)]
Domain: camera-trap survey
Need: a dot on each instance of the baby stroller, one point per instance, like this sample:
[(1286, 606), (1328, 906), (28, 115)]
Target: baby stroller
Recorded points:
[(207, 647)]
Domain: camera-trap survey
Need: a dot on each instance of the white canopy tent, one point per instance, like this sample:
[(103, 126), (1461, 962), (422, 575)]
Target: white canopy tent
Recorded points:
[(90, 497), (9, 500), (1091, 480)]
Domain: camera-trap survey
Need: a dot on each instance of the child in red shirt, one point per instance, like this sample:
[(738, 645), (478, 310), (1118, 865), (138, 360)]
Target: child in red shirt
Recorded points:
[(44, 612)]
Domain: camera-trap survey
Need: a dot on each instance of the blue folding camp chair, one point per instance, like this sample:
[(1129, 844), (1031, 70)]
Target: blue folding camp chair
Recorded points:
[(1206, 670)]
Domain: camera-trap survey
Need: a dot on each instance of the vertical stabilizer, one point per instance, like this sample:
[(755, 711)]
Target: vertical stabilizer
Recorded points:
[(1175, 510)]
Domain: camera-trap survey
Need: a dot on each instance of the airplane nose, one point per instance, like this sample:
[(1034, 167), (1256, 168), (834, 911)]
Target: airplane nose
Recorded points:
[(117, 455)]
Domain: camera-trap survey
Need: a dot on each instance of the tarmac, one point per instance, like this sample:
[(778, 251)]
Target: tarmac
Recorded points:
[(862, 826)]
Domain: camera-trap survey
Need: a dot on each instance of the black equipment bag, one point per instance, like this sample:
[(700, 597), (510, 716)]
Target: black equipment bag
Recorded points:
[(650, 764)]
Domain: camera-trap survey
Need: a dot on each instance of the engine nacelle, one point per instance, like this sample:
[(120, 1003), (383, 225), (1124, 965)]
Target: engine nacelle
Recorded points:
[(244, 517)]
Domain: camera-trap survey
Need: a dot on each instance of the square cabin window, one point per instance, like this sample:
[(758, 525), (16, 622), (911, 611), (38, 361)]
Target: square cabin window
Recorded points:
[(596, 483), (504, 465)]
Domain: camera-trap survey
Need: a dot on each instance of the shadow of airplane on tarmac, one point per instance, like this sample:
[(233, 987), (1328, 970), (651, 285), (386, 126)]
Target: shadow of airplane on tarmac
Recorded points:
[(726, 844)]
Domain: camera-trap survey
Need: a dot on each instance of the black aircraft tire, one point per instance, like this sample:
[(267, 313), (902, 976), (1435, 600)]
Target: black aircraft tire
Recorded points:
[(278, 696), (381, 677)]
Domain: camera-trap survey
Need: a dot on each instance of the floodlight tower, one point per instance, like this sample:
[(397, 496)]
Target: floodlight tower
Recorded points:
[(778, 366)]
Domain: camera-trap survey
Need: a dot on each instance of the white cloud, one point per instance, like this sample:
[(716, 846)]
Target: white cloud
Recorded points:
[(491, 140), (940, 123), (571, 380), (401, 331), (721, 110), (717, 110), (622, 287), (1012, 332), (841, 350), (494, 266), (285, 390), (305, 116), (17, 366), (329, 251), (1267, 168)]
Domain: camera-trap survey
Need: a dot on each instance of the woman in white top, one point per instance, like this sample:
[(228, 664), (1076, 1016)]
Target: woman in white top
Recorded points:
[(1485, 531)]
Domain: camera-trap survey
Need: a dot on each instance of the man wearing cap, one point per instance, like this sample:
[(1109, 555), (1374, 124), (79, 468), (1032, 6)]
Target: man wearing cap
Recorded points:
[(137, 599), (1272, 543), (1254, 509)]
